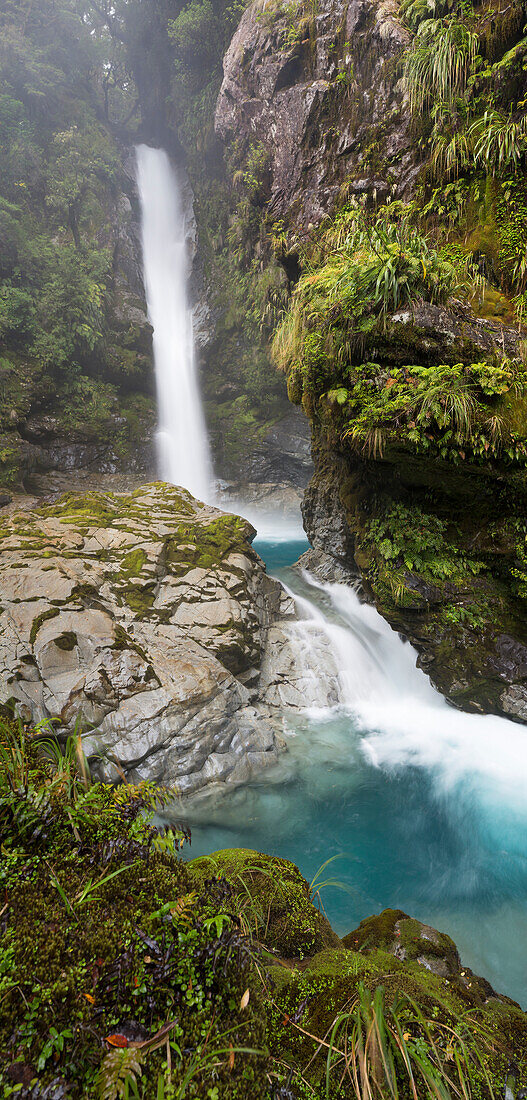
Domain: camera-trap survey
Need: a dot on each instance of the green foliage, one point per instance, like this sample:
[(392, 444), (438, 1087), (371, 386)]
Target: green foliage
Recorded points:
[(103, 934), (370, 268), (450, 410), (415, 11), (410, 539), (60, 226), (194, 34), (152, 985)]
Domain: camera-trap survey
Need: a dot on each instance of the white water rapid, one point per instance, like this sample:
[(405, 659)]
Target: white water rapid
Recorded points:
[(182, 444), (424, 805), (405, 722)]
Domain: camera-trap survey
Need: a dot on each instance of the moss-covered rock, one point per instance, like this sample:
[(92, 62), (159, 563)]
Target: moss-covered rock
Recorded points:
[(138, 615), (275, 898), (315, 1010)]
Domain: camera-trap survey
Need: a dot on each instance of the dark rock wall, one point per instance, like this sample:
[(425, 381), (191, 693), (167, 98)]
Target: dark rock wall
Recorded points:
[(320, 93)]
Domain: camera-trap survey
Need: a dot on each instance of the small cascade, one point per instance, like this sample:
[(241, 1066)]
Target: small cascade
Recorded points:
[(424, 805), (182, 443), (404, 721)]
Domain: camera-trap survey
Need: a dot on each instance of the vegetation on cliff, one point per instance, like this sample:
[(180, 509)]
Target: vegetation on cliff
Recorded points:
[(370, 268), (128, 972), (400, 344), (72, 348)]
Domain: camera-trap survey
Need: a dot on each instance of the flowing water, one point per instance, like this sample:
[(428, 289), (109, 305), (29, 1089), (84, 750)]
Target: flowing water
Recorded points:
[(182, 444), (424, 805)]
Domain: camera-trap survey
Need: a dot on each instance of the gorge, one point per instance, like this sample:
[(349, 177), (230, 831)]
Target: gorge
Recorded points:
[(231, 202)]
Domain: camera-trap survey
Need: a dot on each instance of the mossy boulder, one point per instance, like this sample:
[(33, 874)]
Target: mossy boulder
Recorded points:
[(405, 938), (276, 900), (334, 984)]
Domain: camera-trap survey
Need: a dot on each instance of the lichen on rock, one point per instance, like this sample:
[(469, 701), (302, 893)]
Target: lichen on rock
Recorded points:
[(140, 616)]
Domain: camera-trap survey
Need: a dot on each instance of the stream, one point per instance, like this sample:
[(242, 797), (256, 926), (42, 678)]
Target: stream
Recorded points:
[(423, 805)]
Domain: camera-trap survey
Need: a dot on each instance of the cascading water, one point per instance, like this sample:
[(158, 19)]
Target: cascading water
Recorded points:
[(182, 444), (425, 804)]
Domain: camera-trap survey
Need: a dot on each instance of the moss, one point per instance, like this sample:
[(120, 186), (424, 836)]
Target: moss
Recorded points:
[(132, 563), (104, 932), (66, 641), (280, 908), (140, 598), (305, 1005), (373, 932), (108, 932), (206, 546), (50, 613)]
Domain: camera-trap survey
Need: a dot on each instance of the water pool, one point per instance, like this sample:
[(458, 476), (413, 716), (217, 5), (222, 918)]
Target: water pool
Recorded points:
[(424, 806)]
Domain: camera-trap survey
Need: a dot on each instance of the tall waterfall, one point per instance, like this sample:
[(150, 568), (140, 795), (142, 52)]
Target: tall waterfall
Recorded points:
[(182, 444)]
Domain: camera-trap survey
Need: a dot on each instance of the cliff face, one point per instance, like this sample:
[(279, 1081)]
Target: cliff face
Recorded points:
[(399, 341), (317, 89)]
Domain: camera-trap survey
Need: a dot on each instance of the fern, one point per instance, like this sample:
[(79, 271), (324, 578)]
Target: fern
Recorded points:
[(118, 1070)]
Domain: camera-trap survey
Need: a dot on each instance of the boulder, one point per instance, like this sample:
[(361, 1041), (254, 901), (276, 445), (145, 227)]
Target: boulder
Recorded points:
[(141, 618), (411, 941)]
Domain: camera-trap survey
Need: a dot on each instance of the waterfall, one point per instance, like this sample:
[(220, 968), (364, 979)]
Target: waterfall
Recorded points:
[(404, 721), (181, 438)]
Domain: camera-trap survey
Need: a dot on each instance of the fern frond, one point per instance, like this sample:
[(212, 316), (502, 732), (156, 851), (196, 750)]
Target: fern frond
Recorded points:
[(116, 1070)]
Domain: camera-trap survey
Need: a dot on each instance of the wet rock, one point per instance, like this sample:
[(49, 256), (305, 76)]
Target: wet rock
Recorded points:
[(146, 616), (283, 456), (326, 568), (514, 701), (320, 97)]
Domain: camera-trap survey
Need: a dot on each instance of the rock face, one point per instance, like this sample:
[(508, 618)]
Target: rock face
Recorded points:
[(319, 93), (439, 546), (143, 617)]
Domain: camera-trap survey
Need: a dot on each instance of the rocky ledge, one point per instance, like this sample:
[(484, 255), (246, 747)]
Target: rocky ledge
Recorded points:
[(439, 545), (143, 617)]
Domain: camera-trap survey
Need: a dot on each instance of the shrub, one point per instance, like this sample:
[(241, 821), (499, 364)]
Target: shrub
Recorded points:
[(438, 63)]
